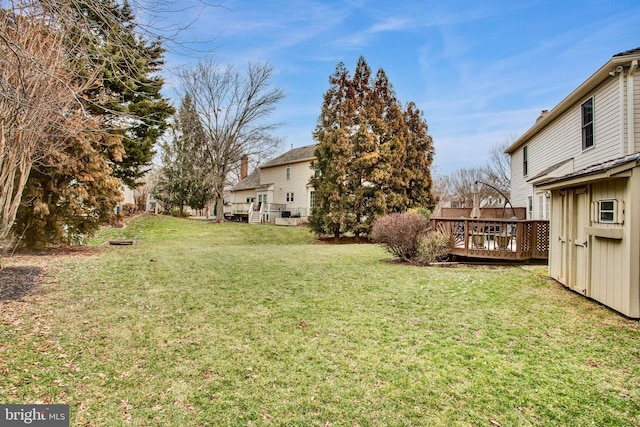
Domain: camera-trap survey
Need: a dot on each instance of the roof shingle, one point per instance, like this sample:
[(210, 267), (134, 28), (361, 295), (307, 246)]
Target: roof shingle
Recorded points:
[(292, 156)]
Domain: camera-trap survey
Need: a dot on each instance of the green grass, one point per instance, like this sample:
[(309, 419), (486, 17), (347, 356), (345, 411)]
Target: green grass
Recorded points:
[(231, 324)]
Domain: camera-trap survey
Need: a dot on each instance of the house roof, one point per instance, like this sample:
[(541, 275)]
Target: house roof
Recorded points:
[(610, 167), (251, 182), (294, 155), (628, 52), (620, 59)]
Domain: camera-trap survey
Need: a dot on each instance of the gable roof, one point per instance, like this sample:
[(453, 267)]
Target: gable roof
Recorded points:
[(619, 59), (294, 155)]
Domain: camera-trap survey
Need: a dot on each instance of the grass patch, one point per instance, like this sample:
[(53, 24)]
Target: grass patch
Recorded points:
[(231, 324)]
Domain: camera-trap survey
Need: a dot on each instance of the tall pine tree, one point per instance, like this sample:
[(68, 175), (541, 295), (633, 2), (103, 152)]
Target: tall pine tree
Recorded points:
[(373, 158), (128, 94), (183, 178), (331, 212)]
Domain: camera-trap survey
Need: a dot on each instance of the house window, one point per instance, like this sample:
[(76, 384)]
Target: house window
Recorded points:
[(525, 161), (289, 197), (251, 199), (607, 210), (312, 199), (530, 207), (288, 172), (587, 124)]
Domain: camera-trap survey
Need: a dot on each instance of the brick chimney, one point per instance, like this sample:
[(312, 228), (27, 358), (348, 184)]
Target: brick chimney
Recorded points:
[(542, 114), (244, 167)]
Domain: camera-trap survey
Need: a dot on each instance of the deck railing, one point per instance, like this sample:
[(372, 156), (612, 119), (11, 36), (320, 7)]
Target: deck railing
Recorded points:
[(237, 208), (496, 238)]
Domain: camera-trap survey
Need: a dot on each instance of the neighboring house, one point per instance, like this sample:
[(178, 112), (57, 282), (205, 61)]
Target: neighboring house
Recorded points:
[(277, 191), (579, 166)]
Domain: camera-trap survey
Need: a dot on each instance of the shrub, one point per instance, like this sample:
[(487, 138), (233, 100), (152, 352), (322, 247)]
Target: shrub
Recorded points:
[(434, 247), (176, 212), (400, 234)]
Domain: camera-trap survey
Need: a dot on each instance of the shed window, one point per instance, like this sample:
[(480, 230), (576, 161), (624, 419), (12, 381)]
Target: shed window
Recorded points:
[(587, 124), (607, 210), (288, 172), (525, 161)]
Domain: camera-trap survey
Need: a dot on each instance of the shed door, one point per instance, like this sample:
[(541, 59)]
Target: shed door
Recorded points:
[(560, 222), (578, 242)]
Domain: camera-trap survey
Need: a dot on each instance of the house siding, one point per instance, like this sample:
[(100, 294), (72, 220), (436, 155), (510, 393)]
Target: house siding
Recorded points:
[(636, 111), (242, 195), (301, 172), (562, 139), (607, 138)]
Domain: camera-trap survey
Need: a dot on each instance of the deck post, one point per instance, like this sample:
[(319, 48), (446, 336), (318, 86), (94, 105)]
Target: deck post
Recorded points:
[(520, 241), (467, 234)]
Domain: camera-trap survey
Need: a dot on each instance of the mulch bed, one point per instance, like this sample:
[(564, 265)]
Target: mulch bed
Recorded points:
[(343, 240)]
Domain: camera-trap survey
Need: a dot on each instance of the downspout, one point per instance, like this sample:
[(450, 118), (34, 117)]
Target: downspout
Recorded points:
[(630, 111), (621, 91)]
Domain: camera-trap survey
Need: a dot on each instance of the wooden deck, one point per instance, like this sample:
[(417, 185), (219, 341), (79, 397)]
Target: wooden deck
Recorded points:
[(503, 239)]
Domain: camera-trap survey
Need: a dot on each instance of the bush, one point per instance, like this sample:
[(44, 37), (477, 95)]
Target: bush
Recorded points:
[(176, 212), (434, 247), (400, 234)]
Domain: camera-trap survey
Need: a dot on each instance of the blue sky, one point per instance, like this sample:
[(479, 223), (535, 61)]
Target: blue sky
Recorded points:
[(481, 71)]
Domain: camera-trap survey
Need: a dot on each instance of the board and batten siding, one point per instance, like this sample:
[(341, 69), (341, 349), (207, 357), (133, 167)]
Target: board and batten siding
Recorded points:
[(562, 140), (299, 177), (615, 276)]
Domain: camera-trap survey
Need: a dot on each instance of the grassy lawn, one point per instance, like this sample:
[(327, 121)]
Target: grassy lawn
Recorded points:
[(231, 324)]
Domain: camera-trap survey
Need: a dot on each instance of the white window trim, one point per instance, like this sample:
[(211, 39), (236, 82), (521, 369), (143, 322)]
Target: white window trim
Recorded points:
[(613, 211), (593, 125)]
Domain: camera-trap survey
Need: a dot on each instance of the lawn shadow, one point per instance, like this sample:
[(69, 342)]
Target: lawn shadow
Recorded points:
[(16, 282)]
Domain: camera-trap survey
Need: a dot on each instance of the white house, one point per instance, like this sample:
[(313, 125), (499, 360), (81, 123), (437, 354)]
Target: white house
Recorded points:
[(277, 191), (579, 166)]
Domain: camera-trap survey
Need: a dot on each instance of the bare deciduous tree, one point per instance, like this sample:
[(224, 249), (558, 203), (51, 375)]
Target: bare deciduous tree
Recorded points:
[(498, 169), (234, 109), (37, 98)]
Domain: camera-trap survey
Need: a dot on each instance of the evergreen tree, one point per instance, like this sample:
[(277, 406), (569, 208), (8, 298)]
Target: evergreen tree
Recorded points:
[(330, 213), (128, 90), (183, 177), (372, 157), (71, 193), (419, 157)]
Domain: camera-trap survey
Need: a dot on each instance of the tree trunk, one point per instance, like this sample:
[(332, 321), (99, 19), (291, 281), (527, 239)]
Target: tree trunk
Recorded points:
[(219, 209)]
